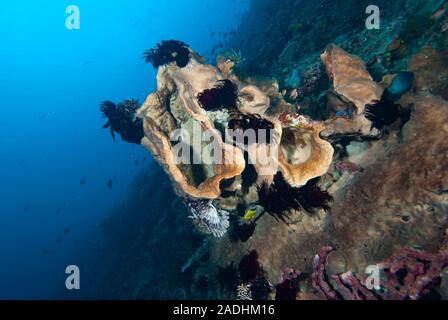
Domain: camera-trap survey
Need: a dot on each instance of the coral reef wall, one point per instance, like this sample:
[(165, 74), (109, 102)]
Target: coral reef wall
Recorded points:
[(361, 174)]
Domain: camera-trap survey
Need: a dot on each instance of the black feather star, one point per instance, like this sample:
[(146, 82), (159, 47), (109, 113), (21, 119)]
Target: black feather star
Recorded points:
[(166, 52), (279, 198), (121, 119), (227, 278), (382, 113), (223, 96), (255, 122)]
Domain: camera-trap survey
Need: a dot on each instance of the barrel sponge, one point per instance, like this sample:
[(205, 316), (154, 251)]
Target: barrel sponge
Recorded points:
[(303, 155), (350, 77)]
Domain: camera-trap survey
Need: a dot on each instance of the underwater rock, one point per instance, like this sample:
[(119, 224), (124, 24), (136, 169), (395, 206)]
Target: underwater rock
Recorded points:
[(431, 71)]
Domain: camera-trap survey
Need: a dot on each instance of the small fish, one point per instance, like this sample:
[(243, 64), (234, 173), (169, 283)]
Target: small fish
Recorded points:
[(439, 13), (110, 183), (136, 162), (343, 114), (294, 94), (401, 84), (212, 35), (58, 210), (46, 251), (42, 117), (348, 166), (59, 240), (27, 207), (67, 230), (85, 64), (250, 214), (83, 182)]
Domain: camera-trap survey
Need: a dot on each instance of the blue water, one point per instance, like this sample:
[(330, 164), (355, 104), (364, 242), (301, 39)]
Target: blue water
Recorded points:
[(51, 82)]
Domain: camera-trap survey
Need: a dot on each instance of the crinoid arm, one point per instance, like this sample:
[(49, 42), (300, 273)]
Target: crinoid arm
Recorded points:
[(107, 108), (382, 113), (223, 95), (112, 133), (166, 52), (107, 124)]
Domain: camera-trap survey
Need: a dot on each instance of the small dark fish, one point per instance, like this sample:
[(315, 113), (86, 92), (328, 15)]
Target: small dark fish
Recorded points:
[(144, 159), (59, 240), (401, 84), (42, 117), (110, 183), (136, 162), (224, 35), (46, 251), (27, 207), (67, 230), (58, 210), (82, 182), (212, 35), (85, 64)]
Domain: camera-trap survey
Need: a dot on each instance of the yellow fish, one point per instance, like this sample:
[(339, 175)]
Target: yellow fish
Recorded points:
[(250, 214)]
